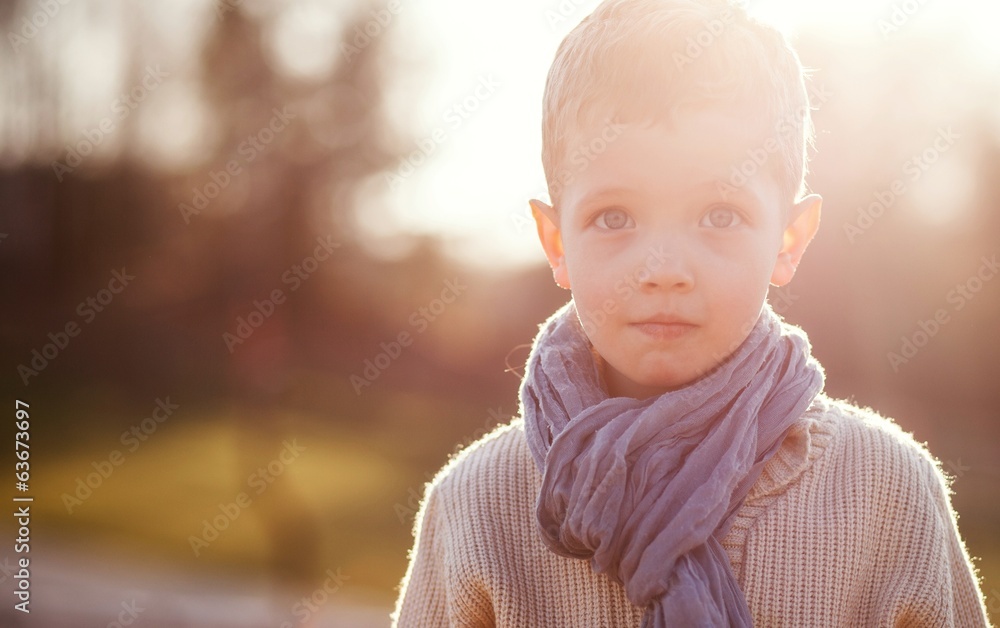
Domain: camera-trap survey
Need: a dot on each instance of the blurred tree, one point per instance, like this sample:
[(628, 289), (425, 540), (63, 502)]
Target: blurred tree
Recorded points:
[(301, 148)]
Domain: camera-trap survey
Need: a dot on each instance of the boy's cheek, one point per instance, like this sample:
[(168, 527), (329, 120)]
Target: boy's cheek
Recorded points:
[(740, 270)]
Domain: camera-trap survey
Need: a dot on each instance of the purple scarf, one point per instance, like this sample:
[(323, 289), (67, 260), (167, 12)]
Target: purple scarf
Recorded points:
[(646, 489)]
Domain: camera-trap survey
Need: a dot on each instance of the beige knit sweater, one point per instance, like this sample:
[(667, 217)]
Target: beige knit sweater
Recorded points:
[(849, 525)]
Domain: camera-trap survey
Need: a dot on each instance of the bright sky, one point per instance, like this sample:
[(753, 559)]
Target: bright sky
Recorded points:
[(480, 157)]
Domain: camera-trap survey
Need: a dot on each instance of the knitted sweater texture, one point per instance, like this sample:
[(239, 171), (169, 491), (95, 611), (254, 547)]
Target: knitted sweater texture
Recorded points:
[(849, 525)]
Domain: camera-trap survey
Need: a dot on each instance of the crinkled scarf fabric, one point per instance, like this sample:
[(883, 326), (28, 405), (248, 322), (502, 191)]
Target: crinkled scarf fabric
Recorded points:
[(646, 489)]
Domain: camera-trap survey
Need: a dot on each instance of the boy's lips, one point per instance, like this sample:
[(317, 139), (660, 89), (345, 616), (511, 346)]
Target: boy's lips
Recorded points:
[(664, 327)]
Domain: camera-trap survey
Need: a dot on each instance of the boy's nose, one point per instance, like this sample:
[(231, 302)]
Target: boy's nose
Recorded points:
[(664, 268)]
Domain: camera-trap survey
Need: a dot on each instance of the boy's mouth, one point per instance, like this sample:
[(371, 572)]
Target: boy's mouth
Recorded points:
[(664, 327)]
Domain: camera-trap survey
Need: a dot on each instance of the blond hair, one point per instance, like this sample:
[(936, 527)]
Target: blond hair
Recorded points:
[(640, 61)]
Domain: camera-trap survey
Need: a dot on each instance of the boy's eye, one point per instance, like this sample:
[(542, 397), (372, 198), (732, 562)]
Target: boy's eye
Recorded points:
[(614, 219), (721, 218)]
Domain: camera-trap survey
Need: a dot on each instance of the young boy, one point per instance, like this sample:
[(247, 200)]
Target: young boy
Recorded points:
[(676, 462)]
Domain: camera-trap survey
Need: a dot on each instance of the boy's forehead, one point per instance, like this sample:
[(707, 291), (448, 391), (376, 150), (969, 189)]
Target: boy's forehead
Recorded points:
[(708, 143), (729, 126)]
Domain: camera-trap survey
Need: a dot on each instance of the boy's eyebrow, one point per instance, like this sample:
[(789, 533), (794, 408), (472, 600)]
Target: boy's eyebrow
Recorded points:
[(724, 190), (599, 193)]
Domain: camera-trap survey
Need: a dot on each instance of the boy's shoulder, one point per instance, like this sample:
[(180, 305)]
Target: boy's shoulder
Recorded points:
[(493, 459), (486, 489), (856, 451), (861, 431)]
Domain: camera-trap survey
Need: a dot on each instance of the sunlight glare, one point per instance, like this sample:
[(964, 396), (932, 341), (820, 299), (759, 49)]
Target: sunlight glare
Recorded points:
[(471, 182)]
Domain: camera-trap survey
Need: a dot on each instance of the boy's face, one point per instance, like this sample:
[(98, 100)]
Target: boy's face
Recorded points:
[(669, 267)]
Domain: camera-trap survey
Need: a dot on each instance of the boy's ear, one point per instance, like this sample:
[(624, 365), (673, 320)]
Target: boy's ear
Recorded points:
[(803, 221), (547, 221)]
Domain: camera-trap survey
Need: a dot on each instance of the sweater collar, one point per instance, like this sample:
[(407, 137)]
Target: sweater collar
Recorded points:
[(805, 441)]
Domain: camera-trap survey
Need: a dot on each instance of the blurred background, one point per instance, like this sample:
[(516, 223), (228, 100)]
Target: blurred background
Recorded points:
[(266, 265)]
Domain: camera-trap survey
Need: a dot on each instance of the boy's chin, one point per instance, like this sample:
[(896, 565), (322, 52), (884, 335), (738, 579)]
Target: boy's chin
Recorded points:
[(621, 385)]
